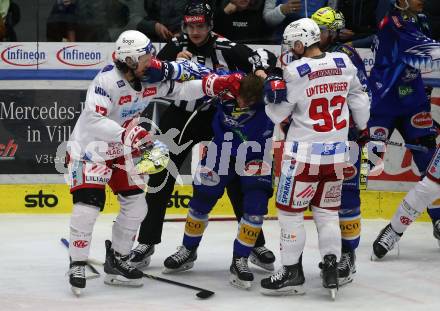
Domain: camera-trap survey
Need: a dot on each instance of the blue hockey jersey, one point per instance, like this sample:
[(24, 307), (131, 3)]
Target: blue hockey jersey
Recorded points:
[(245, 124), (402, 48)]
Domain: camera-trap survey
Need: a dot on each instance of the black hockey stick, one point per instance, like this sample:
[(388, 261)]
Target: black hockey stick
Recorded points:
[(206, 103), (92, 268), (202, 293), (397, 144)]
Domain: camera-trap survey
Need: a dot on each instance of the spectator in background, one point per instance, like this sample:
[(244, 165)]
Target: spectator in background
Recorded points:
[(163, 19), (360, 21), (280, 13), (432, 10), (85, 21), (61, 22), (9, 17), (241, 21), (133, 12)]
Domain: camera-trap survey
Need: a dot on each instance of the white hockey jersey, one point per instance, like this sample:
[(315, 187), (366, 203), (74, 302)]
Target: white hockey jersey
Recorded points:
[(111, 101), (321, 93)]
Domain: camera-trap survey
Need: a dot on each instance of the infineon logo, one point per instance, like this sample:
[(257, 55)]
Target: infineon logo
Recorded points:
[(76, 56), (20, 55)]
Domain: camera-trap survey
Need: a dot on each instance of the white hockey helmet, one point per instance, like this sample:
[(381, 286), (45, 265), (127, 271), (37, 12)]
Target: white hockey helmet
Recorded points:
[(132, 44), (304, 30)]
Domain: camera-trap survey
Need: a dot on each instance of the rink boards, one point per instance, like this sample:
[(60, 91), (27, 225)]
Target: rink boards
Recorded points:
[(56, 199)]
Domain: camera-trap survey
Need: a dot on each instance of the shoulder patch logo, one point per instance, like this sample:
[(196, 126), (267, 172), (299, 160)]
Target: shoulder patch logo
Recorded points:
[(120, 83), (339, 62), (303, 70)]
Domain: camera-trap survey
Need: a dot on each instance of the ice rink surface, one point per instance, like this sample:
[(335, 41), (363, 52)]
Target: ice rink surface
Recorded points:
[(33, 264)]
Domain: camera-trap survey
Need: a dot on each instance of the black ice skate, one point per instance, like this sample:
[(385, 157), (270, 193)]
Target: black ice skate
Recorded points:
[(262, 257), (288, 280), (140, 257), (329, 274), (181, 260), (346, 266), (77, 276), (119, 272), (436, 231), (241, 276), (385, 242)]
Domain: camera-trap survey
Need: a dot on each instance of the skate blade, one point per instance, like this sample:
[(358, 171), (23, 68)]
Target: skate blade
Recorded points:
[(236, 282), (141, 265), (184, 267), (265, 266), (345, 281), (119, 280), (333, 292), (374, 257), (285, 291), (76, 291)]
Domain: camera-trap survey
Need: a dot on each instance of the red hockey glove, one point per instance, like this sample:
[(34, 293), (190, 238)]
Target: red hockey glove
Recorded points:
[(135, 136), (214, 85)]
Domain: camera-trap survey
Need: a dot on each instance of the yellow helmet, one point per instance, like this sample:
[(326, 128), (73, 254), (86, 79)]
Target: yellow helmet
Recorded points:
[(329, 18)]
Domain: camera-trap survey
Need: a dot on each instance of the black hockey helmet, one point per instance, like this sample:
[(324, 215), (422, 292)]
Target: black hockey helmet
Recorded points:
[(198, 11)]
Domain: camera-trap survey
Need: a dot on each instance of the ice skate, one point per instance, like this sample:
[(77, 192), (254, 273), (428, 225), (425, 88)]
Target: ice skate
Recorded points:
[(241, 276), (384, 242), (346, 267), (181, 260), (330, 275), (288, 280), (119, 272), (262, 257), (77, 277), (140, 257)]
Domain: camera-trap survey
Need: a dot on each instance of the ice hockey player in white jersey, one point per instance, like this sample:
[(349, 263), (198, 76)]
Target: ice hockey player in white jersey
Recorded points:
[(317, 92), (415, 202), (106, 138)]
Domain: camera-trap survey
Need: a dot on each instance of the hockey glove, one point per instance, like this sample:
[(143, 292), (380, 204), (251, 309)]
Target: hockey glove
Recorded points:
[(154, 160), (136, 137), (158, 71), (213, 85), (275, 90), (364, 137)]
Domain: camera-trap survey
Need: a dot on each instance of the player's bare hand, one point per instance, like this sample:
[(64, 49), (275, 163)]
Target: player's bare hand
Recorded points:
[(292, 6), (346, 34), (162, 31), (184, 54)]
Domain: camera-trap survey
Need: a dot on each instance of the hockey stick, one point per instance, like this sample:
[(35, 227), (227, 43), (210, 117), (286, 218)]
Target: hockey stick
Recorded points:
[(364, 168), (396, 144), (202, 293), (193, 115), (92, 268)]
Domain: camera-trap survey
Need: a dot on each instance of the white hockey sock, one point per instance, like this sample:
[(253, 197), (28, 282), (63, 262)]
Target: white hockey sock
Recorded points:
[(132, 212), (81, 227), (414, 203), (292, 238), (329, 232)]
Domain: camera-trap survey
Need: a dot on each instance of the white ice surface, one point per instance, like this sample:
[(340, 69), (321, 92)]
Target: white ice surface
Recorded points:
[(33, 264)]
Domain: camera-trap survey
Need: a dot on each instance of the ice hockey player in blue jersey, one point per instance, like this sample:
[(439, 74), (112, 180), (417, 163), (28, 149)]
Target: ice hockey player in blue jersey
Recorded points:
[(402, 49), (241, 148), (330, 23)]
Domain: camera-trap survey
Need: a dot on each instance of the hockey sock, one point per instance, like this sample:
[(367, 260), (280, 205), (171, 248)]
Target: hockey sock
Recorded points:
[(81, 227), (350, 224), (248, 230), (292, 238), (329, 233), (132, 212), (414, 203), (195, 225)]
